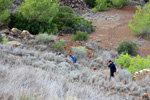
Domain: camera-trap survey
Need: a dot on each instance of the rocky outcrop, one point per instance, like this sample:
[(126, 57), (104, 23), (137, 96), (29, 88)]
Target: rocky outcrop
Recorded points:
[(141, 74), (80, 4), (14, 32), (138, 2)]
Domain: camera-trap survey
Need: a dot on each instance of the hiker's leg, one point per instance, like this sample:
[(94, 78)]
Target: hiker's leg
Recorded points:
[(110, 76)]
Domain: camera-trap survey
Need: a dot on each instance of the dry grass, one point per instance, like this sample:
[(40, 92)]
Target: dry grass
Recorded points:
[(45, 76)]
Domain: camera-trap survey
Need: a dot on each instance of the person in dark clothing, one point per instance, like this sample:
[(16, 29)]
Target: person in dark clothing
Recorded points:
[(112, 69), (146, 1), (73, 59)]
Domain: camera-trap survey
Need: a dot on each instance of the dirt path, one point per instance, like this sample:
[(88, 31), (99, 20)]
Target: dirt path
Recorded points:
[(112, 29)]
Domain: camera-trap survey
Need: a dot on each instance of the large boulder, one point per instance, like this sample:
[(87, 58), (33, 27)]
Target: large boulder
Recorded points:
[(26, 35), (15, 31)]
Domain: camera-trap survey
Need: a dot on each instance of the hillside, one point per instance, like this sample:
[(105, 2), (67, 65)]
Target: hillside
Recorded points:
[(35, 62)]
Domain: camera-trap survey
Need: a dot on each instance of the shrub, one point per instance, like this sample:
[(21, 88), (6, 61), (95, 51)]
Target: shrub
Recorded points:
[(128, 47), (119, 3), (90, 2), (39, 10), (70, 23), (24, 97), (65, 9), (79, 52), (80, 36), (1, 38), (138, 63), (101, 5), (64, 19), (141, 21), (84, 25), (124, 76), (44, 37), (5, 40), (133, 64), (59, 45), (4, 13), (123, 61), (34, 27)]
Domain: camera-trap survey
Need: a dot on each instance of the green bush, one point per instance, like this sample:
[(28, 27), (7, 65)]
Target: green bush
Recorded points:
[(80, 36), (90, 2), (79, 52), (39, 10), (1, 38), (83, 25), (101, 5), (65, 9), (59, 45), (35, 16), (133, 64), (44, 37), (119, 3), (123, 61), (5, 40), (138, 63), (70, 23), (128, 47), (141, 21), (4, 13), (64, 19), (34, 27)]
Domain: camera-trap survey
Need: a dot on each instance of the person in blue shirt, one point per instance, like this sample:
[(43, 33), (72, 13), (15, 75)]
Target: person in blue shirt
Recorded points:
[(73, 59), (112, 69)]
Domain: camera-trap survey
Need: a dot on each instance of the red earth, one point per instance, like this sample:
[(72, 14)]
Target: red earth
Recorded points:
[(112, 31)]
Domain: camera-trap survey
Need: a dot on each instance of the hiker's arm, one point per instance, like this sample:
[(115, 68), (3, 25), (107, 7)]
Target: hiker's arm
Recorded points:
[(108, 65)]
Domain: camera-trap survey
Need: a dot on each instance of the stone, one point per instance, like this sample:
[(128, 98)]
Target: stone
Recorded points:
[(6, 31), (16, 31), (141, 74), (16, 43), (99, 41), (26, 35), (10, 38), (146, 96)]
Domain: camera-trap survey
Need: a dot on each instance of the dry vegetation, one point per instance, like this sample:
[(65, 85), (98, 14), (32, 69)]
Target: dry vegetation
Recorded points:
[(42, 75)]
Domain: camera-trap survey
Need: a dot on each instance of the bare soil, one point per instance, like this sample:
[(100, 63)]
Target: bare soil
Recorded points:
[(113, 32)]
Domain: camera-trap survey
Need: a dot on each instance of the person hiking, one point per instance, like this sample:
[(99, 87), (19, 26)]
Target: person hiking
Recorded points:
[(112, 67), (73, 59)]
